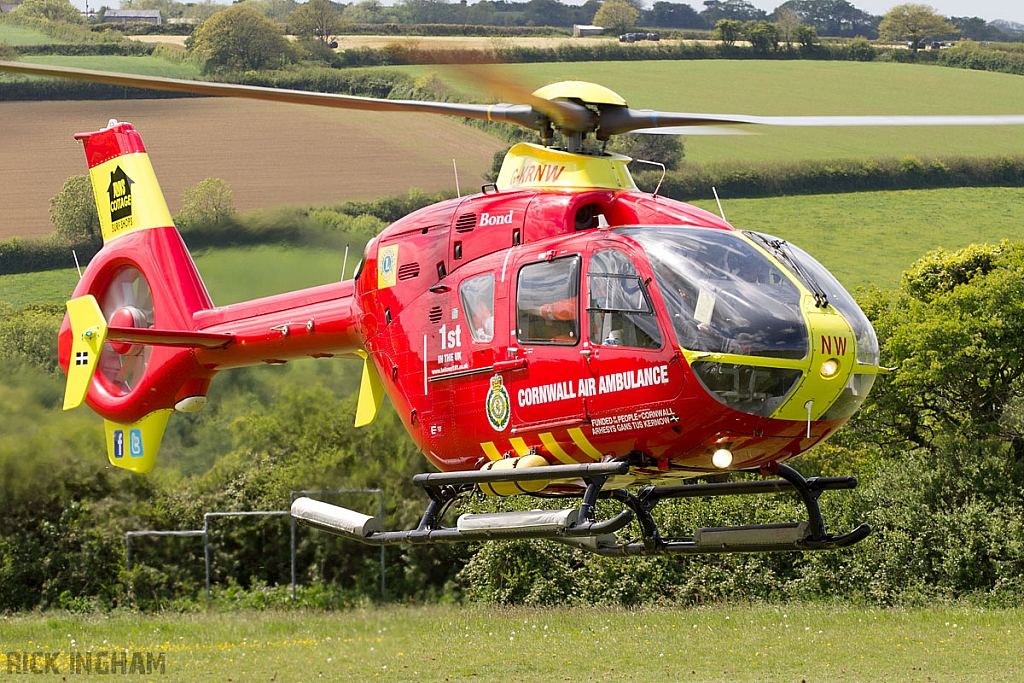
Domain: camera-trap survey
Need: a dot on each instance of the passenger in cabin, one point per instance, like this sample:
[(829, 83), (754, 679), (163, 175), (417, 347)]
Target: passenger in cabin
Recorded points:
[(478, 301)]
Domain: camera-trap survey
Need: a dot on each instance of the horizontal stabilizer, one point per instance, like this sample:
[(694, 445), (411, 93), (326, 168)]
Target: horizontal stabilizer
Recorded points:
[(134, 446), (184, 338), (88, 332)]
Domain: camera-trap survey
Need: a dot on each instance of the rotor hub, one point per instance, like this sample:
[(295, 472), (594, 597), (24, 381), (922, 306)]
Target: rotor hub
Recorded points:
[(127, 316)]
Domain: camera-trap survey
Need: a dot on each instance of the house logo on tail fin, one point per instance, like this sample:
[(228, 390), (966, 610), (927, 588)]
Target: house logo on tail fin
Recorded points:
[(120, 192)]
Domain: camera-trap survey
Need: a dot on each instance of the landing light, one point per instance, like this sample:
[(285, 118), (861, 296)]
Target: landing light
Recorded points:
[(722, 458), (830, 368)]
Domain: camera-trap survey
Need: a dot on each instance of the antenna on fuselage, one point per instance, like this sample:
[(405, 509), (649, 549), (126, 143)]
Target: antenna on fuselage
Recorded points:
[(458, 192), (720, 212)]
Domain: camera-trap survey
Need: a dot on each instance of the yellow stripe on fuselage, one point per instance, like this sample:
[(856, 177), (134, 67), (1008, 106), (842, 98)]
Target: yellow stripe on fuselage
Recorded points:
[(548, 439), (583, 443), (490, 451)]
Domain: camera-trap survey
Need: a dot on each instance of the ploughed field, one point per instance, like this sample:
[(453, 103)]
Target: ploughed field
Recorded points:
[(269, 154)]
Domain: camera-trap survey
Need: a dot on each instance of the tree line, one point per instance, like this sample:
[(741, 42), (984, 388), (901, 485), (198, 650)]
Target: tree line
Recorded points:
[(827, 17)]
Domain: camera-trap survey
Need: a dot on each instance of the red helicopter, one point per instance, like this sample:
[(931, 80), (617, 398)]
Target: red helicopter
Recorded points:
[(561, 334)]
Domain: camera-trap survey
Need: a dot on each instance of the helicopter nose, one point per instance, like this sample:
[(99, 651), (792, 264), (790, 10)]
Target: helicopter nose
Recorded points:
[(827, 368)]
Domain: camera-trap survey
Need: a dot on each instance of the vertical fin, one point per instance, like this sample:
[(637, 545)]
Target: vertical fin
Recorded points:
[(128, 196), (371, 393), (88, 332), (134, 446)]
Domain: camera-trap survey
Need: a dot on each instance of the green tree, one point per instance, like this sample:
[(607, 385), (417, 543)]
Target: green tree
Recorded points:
[(740, 10), (673, 15), (616, 15), (73, 212), (664, 149), (805, 35), (728, 30), (319, 19), (208, 203), (788, 21), (51, 10), (913, 23), (762, 35), (953, 333), (239, 38), (547, 13), (832, 17), (275, 10), (366, 12)]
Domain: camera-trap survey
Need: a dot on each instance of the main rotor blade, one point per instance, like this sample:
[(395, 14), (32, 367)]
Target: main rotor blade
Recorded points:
[(616, 120), (519, 114)]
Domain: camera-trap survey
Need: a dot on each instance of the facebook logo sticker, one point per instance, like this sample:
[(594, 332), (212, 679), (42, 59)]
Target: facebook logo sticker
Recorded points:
[(118, 443), (135, 443)]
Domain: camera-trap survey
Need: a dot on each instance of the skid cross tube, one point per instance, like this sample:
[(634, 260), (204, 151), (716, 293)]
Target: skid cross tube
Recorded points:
[(445, 487), (810, 535)]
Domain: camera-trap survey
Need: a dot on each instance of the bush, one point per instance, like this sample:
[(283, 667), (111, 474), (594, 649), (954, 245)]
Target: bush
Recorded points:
[(210, 203), (73, 213)]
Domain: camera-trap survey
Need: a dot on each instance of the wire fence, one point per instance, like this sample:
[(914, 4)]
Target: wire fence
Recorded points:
[(204, 533)]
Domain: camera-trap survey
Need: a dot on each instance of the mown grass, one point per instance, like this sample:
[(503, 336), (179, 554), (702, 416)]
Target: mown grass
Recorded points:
[(231, 275), (872, 237), (145, 65), (18, 35), (480, 643)]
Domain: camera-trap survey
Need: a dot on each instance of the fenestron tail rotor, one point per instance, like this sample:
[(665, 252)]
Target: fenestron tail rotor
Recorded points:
[(127, 302)]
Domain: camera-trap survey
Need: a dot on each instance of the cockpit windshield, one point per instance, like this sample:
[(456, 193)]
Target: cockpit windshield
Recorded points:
[(723, 294), (824, 282)]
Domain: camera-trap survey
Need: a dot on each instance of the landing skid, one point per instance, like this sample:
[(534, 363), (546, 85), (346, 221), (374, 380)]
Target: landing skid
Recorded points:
[(578, 526)]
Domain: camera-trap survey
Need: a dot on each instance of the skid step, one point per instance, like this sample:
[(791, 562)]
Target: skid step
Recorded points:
[(335, 519), (525, 520), (753, 535)]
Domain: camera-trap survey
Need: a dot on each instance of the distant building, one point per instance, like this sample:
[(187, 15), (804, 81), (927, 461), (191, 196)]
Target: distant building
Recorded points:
[(7, 7), (587, 30), (124, 16)]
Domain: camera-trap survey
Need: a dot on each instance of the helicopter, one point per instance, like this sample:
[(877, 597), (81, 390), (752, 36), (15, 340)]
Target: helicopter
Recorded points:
[(561, 334)]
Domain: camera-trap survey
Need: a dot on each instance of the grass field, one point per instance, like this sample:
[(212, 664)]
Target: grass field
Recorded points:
[(872, 237), (486, 644), (146, 65), (17, 35), (228, 274)]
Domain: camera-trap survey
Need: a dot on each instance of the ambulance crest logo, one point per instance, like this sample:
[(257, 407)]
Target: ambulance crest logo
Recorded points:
[(499, 405)]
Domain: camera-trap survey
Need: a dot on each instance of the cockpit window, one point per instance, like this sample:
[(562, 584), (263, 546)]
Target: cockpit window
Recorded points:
[(620, 312), (547, 302), (723, 294)]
